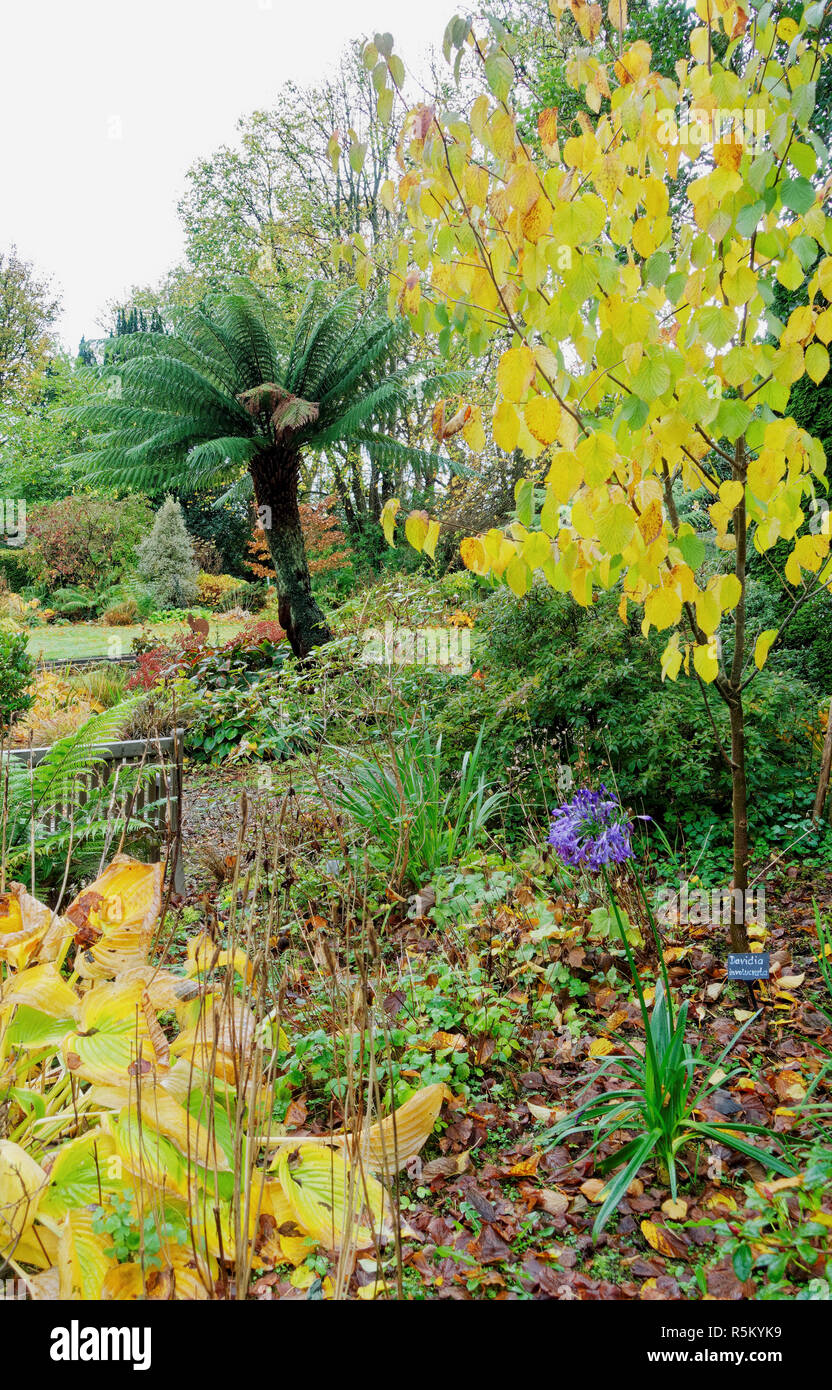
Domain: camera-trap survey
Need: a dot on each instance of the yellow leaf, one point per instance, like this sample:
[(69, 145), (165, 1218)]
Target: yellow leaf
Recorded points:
[(600, 1047), (705, 661), (516, 372), (331, 1201), (731, 493), (817, 362), (658, 1239), (518, 577), (650, 522), (473, 555), (506, 427), (22, 1181), (763, 646), (617, 15), (543, 418), (616, 527), (547, 129), (416, 529), (388, 518), (473, 432), (675, 1211)]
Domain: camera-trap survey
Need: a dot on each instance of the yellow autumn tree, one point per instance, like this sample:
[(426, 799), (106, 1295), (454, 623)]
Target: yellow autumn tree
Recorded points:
[(642, 360)]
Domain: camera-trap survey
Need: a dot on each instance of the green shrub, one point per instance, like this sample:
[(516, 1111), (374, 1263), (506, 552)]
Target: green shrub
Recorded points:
[(15, 677)]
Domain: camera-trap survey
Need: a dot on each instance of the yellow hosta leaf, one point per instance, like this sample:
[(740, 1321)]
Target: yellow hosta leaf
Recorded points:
[(763, 647), (516, 372), (81, 1172), (332, 1201), (83, 1262), (22, 1183), (29, 930), (287, 1242), (392, 1142), (42, 988), (112, 1028), (149, 1156), (118, 912), (178, 1275)]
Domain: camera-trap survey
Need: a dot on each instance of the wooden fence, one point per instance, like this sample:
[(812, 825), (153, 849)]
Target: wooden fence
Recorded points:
[(160, 763)]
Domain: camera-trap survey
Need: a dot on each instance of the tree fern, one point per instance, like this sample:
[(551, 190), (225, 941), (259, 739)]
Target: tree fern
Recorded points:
[(221, 396)]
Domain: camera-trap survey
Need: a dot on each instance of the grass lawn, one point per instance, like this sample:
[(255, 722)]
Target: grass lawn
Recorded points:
[(75, 640)]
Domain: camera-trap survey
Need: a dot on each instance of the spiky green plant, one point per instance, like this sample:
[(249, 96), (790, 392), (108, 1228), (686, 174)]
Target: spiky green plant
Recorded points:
[(222, 396)]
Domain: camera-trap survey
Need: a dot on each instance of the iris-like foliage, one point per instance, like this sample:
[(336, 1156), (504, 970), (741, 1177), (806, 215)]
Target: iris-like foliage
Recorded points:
[(661, 1102)]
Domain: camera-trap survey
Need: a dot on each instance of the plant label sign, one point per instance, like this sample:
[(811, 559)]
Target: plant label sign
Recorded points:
[(749, 966)]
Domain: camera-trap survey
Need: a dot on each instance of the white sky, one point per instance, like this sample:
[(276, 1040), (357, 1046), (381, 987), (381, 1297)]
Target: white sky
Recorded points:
[(104, 104)]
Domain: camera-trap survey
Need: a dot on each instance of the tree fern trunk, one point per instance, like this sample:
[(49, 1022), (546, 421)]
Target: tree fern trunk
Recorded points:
[(276, 486)]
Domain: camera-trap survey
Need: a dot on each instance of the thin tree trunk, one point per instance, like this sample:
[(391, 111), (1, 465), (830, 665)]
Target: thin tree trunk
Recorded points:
[(276, 487), (739, 787), (739, 802), (825, 766)]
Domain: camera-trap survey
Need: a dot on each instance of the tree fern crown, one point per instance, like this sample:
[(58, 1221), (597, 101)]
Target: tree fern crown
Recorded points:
[(199, 405)]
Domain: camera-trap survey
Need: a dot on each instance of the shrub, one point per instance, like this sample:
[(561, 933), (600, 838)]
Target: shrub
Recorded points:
[(15, 677), (166, 559), (214, 589), (81, 542)]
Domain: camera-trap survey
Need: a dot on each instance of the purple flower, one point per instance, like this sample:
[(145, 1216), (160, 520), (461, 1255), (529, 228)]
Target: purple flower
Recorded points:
[(591, 830)]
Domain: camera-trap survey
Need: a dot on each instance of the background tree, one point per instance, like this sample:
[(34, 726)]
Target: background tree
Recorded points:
[(28, 310), (643, 365), (166, 560), (220, 399)]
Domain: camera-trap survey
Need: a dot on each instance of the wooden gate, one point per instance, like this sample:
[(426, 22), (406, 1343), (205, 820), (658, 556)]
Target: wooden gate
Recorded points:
[(160, 762)]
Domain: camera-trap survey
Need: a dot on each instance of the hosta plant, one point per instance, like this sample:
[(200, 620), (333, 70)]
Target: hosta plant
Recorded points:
[(143, 1157)]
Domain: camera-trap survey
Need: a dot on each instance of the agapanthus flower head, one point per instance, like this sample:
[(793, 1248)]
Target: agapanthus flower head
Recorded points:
[(591, 830)]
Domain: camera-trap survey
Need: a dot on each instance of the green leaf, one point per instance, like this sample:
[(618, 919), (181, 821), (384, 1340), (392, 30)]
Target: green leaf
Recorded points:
[(798, 195), (657, 268), (732, 419), (743, 1262), (692, 548), (499, 73)]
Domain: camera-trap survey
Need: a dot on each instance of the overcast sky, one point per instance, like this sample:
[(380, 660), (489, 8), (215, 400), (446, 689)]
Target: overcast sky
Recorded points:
[(104, 104)]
